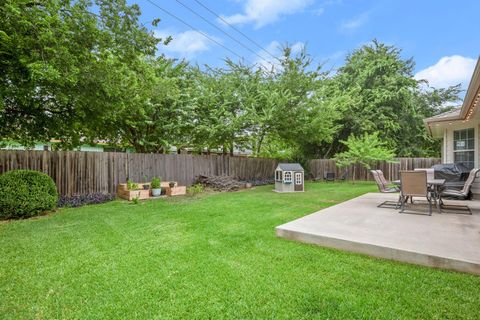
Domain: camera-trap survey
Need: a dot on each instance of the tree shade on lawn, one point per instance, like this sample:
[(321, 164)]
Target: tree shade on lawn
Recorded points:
[(211, 256)]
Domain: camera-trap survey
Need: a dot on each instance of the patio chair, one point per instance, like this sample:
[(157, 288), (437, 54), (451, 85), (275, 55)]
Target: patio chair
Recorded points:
[(414, 184), (463, 194), (384, 181), (430, 172), (344, 176), (329, 176), (383, 187)]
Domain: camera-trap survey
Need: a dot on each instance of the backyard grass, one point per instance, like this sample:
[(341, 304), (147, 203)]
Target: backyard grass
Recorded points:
[(213, 256)]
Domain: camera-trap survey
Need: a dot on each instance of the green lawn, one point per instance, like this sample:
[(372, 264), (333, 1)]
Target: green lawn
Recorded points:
[(212, 257)]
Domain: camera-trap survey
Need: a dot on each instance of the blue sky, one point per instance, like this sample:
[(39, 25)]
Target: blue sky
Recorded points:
[(440, 35)]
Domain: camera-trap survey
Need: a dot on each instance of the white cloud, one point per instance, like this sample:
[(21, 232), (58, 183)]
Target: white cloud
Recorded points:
[(185, 44), (354, 23), (263, 12), (275, 48), (448, 71)]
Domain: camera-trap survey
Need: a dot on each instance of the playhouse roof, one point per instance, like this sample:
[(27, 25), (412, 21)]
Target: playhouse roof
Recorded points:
[(290, 166)]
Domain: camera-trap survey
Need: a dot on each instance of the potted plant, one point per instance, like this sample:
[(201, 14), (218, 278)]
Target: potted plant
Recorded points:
[(155, 185)]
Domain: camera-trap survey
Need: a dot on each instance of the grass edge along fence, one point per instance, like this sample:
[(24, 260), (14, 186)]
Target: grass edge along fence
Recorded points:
[(76, 172)]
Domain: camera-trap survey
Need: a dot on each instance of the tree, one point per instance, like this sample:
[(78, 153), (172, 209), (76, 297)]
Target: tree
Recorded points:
[(67, 65), (156, 113), (416, 140), (300, 116), (363, 150), (373, 90)]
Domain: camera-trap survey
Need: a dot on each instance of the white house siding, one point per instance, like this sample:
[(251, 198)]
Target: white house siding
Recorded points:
[(447, 155), (91, 148), (447, 147)]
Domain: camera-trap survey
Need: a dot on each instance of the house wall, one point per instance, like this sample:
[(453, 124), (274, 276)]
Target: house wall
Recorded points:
[(41, 147), (447, 149), (91, 148)]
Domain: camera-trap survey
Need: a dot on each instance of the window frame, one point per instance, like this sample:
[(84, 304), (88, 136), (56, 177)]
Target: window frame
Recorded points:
[(288, 174), (457, 136), (298, 174), (278, 175)]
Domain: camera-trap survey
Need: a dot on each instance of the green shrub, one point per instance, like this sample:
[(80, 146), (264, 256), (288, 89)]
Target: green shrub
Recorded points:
[(155, 184), (195, 189), (131, 185), (25, 193)]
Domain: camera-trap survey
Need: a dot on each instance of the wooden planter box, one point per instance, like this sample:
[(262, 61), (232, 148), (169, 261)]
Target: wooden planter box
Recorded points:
[(176, 191), (141, 194), (129, 195)]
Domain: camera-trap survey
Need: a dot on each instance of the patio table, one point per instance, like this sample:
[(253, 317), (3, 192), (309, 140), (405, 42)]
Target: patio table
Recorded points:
[(435, 184)]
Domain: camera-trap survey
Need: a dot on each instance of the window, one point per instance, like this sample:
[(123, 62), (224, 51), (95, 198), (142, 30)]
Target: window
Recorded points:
[(298, 178), (278, 175), (287, 177), (464, 147)]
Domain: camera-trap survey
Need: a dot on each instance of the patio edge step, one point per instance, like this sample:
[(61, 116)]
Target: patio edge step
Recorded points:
[(380, 251)]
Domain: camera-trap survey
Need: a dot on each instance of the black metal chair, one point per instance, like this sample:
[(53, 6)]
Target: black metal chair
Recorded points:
[(329, 176)]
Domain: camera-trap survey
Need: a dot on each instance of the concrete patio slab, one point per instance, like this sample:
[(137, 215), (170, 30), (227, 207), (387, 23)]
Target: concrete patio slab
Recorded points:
[(450, 240)]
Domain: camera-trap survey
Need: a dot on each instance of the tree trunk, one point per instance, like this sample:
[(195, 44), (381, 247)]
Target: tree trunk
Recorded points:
[(259, 144)]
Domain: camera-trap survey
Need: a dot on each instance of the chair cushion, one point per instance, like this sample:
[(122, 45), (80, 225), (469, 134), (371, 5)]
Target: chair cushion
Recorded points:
[(453, 193)]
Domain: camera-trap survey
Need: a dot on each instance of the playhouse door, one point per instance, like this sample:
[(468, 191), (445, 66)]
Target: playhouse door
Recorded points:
[(298, 181)]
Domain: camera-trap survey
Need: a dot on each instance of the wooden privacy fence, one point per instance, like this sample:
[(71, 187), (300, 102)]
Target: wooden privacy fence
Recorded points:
[(89, 172), (318, 167)]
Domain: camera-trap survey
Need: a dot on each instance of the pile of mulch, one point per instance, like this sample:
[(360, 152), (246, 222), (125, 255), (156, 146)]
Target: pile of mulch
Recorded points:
[(228, 183), (79, 200)]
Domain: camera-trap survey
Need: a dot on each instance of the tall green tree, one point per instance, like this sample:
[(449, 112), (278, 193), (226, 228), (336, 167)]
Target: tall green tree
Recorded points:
[(156, 114), (66, 65), (375, 86), (302, 118), (375, 91)]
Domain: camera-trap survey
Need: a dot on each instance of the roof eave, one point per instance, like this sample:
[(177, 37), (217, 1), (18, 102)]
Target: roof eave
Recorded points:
[(472, 94)]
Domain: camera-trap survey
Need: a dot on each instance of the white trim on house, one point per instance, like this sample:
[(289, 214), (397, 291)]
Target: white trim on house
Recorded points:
[(443, 125)]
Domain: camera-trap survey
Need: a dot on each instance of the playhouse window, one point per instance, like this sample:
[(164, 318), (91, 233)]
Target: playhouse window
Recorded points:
[(278, 175), (287, 177)]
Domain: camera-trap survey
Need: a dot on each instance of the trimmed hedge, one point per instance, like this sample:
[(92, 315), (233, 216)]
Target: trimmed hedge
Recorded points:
[(25, 193)]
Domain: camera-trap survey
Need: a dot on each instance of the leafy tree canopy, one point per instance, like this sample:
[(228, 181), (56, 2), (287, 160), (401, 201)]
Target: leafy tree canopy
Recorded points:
[(83, 71), (364, 150)]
